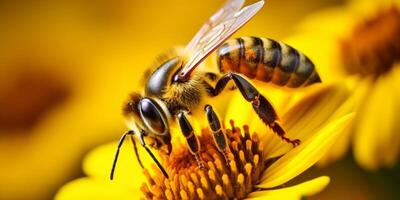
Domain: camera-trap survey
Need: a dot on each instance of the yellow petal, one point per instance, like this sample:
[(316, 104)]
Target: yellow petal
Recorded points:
[(389, 138), (340, 148), (369, 8), (90, 188), (239, 110), (98, 163), (376, 139), (359, 88), (311, 113), (294, 192), (305, 155)]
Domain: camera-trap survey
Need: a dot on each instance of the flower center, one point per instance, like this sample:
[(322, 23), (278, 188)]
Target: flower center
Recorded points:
[(24, 102), (220, 179), (374, 45)]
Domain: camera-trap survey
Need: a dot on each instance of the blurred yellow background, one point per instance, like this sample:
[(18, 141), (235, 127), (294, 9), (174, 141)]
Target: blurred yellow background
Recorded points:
[(66, 67)]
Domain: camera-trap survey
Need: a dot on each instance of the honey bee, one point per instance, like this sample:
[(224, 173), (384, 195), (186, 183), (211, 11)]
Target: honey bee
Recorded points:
[(175, 89)]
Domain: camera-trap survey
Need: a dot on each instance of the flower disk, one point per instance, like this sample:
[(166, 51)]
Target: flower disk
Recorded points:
[(374, 45), (224, 177)]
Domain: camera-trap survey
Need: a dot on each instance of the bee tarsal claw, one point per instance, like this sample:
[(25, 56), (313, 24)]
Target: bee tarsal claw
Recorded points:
[(277, 128), (295, 142), (199, 161)]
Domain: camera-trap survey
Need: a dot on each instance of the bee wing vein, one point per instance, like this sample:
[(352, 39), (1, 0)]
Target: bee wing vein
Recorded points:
[(219, 28)]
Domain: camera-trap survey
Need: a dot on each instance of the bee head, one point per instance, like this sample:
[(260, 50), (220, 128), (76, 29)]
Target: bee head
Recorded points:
[(150, 116)]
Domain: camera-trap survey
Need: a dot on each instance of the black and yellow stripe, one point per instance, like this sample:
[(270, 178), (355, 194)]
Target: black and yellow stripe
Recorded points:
[(267, 60)]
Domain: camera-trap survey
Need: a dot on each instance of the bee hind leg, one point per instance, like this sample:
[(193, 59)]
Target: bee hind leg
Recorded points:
[(191, 138), (260, 104), (218, 134)]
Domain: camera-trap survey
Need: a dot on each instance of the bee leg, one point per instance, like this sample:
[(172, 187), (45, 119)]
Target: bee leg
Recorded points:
[(218, 134), (136, 151), (263, 108), (211, 76), (191, 139), (141, 139), (121, 141)]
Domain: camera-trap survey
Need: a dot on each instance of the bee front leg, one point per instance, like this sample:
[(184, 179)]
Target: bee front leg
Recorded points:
[(142, 142), (191, 139), (131, 134), (218, 134), (261, 105)]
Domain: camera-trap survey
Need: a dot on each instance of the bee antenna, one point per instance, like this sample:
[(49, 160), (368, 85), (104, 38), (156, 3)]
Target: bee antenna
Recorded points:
[(121, 141)]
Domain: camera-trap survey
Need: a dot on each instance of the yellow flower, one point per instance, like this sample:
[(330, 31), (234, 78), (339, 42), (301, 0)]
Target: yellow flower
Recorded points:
[(359, 43), (256, 160), (79, 60), (57, 98)]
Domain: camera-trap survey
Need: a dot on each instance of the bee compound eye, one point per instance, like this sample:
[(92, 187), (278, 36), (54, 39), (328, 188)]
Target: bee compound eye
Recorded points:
[(152, 116)]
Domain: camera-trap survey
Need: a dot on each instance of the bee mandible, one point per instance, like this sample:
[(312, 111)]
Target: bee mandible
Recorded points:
[(175, 89)]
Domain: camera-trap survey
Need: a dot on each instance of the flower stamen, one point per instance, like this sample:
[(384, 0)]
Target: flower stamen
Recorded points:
[(374, 45), (223, 177)]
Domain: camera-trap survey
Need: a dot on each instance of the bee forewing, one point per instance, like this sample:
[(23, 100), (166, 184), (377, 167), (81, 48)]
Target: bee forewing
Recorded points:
[(230, 7), (219, 28)]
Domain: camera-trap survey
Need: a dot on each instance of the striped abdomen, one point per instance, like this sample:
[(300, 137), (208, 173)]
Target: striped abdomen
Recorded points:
[(267, 60)]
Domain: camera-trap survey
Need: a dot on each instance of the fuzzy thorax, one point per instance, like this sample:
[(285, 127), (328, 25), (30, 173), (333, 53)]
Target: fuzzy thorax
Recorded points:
[(187, 95)]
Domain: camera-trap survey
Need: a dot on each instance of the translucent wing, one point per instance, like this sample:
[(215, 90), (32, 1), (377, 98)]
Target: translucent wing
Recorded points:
[(227, 11), (219, 28)]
